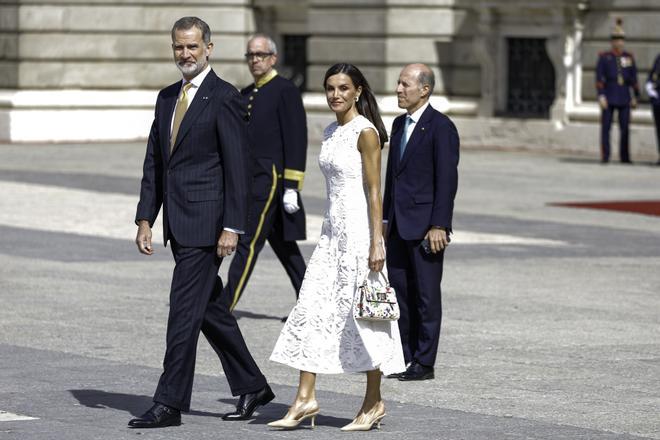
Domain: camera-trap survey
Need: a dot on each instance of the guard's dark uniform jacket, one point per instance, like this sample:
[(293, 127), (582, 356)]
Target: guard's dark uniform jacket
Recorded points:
[(616, 75), (277, 133), (654, 81), (277, 137)]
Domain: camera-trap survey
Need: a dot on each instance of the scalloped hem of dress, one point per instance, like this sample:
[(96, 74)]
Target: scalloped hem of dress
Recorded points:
[(301, 367)]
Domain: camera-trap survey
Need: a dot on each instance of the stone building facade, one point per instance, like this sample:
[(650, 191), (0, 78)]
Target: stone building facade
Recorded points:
[(511, 73)]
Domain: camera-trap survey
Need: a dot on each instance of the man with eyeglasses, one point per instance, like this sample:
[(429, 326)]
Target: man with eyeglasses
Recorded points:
[(277, 135)]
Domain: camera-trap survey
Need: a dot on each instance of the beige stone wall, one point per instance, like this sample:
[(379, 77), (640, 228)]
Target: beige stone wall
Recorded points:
[(8, 45), (381, 36), (95, 44), (124, 45), (67, 61)]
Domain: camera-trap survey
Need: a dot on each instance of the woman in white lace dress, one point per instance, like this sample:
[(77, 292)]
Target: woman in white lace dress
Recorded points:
[(321, 335)]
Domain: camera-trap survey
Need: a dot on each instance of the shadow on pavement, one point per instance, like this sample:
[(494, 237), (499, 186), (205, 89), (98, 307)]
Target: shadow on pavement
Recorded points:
[(244, 314), (584, 160), (133, 404), (596, 161)]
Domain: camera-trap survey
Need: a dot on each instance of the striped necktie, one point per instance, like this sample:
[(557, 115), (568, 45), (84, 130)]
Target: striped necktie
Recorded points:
[(404, 136), (179, 113)]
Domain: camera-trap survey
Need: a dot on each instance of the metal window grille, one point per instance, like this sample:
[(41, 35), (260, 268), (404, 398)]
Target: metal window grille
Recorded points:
[(295, 59), (531, 79)]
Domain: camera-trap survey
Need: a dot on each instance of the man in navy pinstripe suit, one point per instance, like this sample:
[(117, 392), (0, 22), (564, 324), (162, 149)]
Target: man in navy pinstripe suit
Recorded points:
[(195, 167)]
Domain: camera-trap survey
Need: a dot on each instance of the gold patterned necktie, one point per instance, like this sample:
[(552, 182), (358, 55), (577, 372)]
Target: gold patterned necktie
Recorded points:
[(179, 113)]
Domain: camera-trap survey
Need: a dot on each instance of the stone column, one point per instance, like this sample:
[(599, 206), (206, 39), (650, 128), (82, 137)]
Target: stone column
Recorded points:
[(485, 48), (558, 48)]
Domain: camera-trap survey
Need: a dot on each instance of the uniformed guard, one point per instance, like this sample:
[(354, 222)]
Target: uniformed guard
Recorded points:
[(653, 90), (616, 74), (277, 133)]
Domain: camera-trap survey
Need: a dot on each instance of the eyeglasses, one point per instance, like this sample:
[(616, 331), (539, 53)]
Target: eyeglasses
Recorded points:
[(258, 55)]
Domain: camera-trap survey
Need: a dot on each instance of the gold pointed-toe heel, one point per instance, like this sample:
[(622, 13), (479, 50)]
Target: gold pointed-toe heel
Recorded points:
[(308, 411), (367, 420), (366, 426)]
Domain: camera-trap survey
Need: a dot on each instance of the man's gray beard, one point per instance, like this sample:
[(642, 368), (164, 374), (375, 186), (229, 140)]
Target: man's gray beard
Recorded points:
[(191, 70)]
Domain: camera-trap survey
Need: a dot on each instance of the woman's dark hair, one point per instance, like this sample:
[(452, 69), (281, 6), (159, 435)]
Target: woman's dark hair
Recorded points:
[(366, 104)]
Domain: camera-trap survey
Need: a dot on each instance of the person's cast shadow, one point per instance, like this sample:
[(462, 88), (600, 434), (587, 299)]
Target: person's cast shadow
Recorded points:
[(238, 314), (136, 405), (133, 404)]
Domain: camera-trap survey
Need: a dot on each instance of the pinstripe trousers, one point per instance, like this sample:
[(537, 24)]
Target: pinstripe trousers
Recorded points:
[(196, 303)]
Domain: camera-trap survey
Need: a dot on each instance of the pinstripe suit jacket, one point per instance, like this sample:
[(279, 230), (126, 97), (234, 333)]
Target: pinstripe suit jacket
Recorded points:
[(203, 184)]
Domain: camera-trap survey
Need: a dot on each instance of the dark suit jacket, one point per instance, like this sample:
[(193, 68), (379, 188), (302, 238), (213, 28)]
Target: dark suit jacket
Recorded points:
[(420, 187), (277, 133), (203, 184)]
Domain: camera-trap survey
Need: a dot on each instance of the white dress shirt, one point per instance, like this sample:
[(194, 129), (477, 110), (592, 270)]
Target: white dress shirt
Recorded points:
[(196, 82), (414, 118)]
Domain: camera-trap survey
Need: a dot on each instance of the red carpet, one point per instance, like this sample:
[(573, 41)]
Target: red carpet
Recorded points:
[(646, 207)]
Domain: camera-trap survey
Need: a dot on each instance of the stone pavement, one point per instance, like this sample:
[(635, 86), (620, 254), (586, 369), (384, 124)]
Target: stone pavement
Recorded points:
[(551, 314)]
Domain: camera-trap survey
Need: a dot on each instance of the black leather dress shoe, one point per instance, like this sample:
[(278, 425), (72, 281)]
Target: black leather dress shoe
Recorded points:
[(158, 416), (417, 371), (247, 403)]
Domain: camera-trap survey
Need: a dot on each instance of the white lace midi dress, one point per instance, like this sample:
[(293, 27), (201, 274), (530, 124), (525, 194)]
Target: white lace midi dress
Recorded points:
[(321, 335)]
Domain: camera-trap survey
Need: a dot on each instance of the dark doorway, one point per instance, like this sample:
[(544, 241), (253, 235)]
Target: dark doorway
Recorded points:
[(531, 79), (295, 59)]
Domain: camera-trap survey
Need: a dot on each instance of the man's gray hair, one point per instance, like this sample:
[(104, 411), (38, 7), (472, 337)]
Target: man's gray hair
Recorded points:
[(185, 23), (272, 47), (427, 78)]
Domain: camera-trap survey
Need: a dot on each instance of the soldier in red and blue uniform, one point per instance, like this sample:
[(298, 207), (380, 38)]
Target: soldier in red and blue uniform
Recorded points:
[(653, 90), (616, 76)]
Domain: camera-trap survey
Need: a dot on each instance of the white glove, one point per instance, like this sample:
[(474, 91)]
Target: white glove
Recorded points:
[(650, 90), (290, 200)]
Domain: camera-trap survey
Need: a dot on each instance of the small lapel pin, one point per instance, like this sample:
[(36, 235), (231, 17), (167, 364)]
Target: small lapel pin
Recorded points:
[(205, 97), (422, 128)]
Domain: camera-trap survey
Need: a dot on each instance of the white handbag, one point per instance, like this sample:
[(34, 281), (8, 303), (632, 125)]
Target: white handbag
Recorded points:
[(376, 301)]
